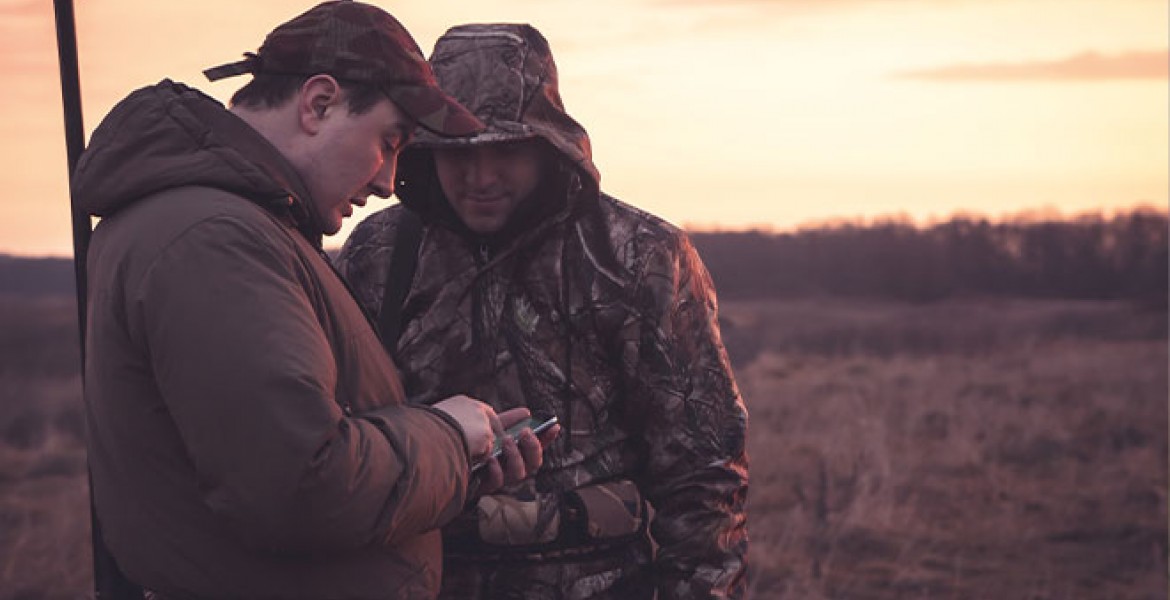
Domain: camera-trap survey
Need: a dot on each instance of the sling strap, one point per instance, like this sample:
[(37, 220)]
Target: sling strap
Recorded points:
[(399, 275)]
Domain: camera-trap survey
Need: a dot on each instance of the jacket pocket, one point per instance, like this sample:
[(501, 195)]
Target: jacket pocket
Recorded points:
[(509, 521), (576, 523), (609, 510)]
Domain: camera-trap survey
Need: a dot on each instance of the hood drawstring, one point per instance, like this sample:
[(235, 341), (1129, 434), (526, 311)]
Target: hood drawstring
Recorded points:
[(567, 387)]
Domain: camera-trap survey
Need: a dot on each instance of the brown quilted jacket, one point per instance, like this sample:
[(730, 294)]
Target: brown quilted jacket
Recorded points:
[(247, 437), (586, 308)]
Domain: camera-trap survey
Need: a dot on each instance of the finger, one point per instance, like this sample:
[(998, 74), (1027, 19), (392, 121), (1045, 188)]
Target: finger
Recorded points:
[(489, 448), (493, 477), (513, 416), (494, 423), (531, 450), (486, 443), (549, 435), (514, 466)]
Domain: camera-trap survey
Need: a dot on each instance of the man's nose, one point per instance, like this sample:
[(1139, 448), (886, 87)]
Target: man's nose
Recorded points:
[(382, 185), (482, 171)]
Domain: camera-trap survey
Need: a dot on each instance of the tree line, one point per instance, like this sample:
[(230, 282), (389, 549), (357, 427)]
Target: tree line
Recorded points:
[(1087, 257)]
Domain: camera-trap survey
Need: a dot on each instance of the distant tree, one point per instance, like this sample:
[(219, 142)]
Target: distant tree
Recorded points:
[(35, 276), (1086, 257), (1039, 256)]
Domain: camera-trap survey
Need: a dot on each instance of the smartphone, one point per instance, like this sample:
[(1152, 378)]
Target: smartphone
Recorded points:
[(538, 425)]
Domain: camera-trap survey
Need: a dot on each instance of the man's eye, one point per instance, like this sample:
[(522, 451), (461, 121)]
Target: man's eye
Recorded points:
[(514, 149), (456, 154), (394, 143)]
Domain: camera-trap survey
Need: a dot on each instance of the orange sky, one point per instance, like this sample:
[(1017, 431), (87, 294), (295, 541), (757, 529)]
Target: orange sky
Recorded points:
[(728, 113)]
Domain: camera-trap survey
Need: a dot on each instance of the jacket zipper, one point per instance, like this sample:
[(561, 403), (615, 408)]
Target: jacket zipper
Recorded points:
[(483, 255)]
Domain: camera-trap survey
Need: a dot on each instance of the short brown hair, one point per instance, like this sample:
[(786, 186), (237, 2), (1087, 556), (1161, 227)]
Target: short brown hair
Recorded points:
[(267, 90)]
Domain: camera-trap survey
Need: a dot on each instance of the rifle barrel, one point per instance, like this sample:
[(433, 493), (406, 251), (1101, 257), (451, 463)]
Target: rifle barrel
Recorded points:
[(109, 582)]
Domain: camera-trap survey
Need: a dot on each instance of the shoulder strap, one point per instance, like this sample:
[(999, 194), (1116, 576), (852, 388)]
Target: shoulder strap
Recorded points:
[(399, 275)]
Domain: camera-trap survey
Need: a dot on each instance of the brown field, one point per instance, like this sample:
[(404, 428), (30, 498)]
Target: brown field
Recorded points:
[(998, 449), (957, 450)]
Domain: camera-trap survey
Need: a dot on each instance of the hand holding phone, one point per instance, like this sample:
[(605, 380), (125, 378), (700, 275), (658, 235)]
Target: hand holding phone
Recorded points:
[(536, 424)]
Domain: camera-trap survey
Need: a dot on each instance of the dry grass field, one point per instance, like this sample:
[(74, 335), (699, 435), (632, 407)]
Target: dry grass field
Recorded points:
[(998, 449), (958, 450), (44, 502)]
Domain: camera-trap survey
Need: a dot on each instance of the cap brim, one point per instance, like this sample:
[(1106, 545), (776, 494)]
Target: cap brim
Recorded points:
[(435, 111), (428, 141)]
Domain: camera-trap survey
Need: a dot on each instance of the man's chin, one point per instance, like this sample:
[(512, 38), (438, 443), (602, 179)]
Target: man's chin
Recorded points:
[(332, 228), (485, 227)]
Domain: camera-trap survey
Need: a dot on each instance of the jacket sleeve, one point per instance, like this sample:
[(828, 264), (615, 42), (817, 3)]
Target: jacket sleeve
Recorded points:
[(248, 375), (695, 425)]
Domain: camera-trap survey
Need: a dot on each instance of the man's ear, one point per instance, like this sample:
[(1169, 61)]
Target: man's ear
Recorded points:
[(319, 96)]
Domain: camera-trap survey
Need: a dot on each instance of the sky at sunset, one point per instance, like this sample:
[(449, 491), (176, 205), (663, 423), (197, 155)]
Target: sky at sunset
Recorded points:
[(709, 113)]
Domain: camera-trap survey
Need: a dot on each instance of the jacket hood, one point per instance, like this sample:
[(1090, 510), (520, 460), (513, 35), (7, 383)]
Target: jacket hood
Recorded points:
[(169, 135), (505, 75)]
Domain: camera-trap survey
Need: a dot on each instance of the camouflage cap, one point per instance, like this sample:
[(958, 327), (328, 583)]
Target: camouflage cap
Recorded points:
[(358, 43)]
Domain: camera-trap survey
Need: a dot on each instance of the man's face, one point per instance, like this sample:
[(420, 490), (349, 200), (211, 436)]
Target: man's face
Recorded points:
[(486, 183), (353, 156)]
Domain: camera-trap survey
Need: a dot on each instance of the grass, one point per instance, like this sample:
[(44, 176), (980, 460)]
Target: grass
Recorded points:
[(956, 450), (44, 502), (967, 449), (44, 496)]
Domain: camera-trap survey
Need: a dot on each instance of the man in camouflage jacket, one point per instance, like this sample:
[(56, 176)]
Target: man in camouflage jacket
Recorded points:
[(569, 302)]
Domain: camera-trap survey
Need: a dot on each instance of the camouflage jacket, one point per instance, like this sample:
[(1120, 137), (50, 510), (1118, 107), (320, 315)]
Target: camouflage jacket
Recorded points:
[(605, 316)]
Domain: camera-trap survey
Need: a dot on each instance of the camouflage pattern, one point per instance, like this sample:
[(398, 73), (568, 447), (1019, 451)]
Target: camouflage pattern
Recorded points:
[(360, 43), (586, 308), (494, 70)]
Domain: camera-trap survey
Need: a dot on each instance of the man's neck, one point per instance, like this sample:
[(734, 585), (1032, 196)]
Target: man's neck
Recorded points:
[(270, 123), (272, 127)]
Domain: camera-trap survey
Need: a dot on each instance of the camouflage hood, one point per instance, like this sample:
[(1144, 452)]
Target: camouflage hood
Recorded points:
[(505, 75)]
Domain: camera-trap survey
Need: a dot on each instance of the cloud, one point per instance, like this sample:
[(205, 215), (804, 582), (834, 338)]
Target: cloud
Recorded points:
[(27, 38), (837, 3), (20, 8), (1087, 66)]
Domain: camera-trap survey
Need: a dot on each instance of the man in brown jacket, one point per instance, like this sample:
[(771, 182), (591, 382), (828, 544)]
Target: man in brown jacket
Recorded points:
[(248, 438), (534, 289)]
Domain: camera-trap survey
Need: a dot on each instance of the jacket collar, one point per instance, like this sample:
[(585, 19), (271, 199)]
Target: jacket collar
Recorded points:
[(295, 207)]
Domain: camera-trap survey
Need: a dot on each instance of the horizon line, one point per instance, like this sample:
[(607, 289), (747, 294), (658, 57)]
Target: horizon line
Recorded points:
[(1043, 214)]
